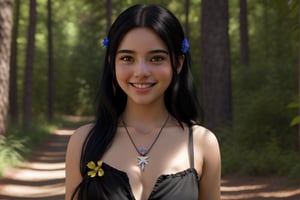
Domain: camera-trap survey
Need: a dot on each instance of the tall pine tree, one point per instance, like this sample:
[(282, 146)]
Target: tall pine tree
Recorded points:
[(6, 21)]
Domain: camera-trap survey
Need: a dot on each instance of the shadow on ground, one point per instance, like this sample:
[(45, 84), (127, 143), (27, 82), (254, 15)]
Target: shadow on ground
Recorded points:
[(258, 188), (43, 178)]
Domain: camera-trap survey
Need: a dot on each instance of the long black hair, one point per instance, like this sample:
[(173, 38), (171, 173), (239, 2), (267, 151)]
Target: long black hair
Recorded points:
[(180, 97)]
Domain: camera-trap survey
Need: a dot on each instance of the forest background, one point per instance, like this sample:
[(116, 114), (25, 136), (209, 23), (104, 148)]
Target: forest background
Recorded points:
[(57, 55)]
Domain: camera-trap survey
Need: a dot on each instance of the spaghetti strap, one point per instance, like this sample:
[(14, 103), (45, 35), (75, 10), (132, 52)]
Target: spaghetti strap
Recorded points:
[(191, 146)]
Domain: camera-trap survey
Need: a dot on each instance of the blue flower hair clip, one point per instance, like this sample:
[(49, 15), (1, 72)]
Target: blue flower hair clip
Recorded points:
[(185, 45), (105, 42)]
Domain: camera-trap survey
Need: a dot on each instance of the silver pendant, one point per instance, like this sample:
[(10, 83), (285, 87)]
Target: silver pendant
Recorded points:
[(143, 161), (143, 151)]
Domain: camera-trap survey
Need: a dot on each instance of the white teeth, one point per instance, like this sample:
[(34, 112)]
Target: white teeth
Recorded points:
[(141, 85)]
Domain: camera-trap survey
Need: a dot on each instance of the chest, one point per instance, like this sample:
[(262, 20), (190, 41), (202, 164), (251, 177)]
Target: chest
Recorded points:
[(169, 156)]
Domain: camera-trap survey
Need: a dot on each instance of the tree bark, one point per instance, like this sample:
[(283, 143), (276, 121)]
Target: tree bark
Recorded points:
[(6, 21), (187, 12), (215, 64), (28, 74), (50, 65), (13, 86), (244, 44), (299, 80), (108, 14)]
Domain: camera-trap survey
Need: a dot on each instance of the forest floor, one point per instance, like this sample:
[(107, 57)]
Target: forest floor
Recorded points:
[(43, 178)]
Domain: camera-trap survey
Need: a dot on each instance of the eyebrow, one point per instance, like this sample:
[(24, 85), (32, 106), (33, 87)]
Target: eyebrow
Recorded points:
[(151, 52)]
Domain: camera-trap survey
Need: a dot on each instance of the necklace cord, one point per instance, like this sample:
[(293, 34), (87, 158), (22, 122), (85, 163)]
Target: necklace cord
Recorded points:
[(156, 138)]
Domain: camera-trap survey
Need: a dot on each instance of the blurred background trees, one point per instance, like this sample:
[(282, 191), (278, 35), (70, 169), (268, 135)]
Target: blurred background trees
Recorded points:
[(244, 59)]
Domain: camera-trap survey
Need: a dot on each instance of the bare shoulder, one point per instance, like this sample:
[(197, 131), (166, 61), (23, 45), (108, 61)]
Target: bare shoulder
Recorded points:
[(78, 137), (206, 140), (82, 132), (205, 137)]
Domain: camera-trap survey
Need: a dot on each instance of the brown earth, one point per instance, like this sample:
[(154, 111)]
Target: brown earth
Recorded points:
[(43, 178), (235, 187)]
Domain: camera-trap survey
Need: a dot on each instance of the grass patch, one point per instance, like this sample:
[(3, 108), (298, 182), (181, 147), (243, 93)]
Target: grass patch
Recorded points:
[(12, 151), (19, 142)]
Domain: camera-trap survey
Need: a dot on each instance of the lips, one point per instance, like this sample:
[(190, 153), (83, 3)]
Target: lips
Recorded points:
[(142, 85)]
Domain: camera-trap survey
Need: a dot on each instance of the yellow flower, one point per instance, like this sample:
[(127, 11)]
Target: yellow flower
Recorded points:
[(95, 169)]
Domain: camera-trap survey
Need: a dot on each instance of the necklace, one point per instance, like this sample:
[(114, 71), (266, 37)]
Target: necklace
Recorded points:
[(142, 158)]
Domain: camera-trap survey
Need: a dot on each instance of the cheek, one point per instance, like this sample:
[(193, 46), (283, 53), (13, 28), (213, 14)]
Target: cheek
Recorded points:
[(121, 73), (122, 76), (166, 74)]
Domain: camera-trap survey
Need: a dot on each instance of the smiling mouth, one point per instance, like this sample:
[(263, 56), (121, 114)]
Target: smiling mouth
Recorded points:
[(142, 85)]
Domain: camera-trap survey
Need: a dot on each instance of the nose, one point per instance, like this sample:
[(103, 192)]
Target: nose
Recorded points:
[(142, 69)]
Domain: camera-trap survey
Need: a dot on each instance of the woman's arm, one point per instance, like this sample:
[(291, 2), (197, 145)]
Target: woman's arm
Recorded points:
[(209, 185), (73, 155)]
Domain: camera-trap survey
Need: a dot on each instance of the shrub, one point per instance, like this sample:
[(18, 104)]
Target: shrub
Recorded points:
[(261, 142), (12, 151), (17, 146)]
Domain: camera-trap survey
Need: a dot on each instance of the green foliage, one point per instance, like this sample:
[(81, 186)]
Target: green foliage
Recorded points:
[(260, 160), (294, 105), (12, 150), (295, 121), (72, 122), (261, 141), (294, 174), (17, 146), (268, 159)]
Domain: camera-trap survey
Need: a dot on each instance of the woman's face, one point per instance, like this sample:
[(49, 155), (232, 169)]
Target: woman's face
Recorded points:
[(143, 66)]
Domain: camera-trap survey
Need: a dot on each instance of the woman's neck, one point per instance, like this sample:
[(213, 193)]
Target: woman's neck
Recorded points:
[(144, 117)]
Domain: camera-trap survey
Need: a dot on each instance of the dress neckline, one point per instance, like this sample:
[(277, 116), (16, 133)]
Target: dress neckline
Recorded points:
[(161, 178)]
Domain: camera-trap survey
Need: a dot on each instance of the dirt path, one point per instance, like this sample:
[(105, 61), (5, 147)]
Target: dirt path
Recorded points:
[(43, 178), (258, 188)]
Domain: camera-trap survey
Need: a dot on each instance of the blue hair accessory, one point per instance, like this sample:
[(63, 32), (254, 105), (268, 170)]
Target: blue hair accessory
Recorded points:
[(105, 42), (185, 45)]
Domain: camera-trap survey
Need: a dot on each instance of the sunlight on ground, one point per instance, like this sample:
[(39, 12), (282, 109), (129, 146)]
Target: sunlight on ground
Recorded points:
[(45, 180), (255, 191), (33, 192), (43, 177), (63, 132), (242, 188), (31, 173)]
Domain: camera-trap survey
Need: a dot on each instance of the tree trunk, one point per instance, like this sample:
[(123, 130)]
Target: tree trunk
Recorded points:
[(13, 86), (244, 46), (108, 14), (266, 42), (187, 12), (28, 74), (215, 62), (6, 21), (50, 65), (299, 80)]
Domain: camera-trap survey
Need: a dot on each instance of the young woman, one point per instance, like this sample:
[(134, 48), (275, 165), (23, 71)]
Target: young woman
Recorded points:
[(146, 142)]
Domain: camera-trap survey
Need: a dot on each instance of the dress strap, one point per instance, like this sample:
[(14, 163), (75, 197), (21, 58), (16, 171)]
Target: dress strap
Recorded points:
[(191, 146)]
